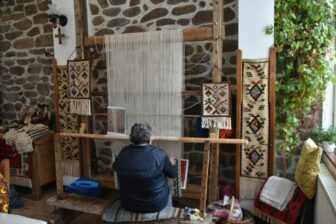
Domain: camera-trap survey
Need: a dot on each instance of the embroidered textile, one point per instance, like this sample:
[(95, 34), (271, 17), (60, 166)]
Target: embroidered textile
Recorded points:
[(4, 196), (79, 87), (255, 125)]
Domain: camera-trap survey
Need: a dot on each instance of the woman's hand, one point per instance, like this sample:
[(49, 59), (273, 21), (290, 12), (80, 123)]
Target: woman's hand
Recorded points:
[(172, 160)]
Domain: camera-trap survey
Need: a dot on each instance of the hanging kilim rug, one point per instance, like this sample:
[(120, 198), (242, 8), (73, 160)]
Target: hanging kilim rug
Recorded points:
[(254, 126), (68, 122), (216, 105), (79, 86)]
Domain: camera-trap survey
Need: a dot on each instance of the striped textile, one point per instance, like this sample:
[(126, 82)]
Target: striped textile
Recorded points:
[(114, 212)]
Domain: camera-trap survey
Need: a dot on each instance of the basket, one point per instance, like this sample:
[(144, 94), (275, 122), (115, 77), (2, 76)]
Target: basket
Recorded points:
[(247, 219)]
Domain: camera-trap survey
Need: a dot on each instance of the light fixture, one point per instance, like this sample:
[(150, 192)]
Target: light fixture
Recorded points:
[(55, 17)]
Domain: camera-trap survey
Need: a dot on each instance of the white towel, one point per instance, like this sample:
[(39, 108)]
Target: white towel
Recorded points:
[(277, 192)]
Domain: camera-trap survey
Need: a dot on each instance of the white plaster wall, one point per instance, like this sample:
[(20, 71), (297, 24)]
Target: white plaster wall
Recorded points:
[(328, 112), (63, 51), (253, 17)]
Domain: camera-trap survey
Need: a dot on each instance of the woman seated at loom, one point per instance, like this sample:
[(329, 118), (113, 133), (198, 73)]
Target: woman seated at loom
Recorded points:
[(142, 171)]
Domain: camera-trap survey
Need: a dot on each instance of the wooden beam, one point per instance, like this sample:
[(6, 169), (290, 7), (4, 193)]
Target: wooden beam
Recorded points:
[(205, 175), (190, 34), (58, 163), (239, 72), (217, 53), (157, 138), (272, 87)]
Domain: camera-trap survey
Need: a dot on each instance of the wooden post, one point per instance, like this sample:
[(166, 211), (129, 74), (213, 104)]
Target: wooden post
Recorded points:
[(58, 163), (272, 79), (81, 31), (239, 71), (218, 35), (204, 184)]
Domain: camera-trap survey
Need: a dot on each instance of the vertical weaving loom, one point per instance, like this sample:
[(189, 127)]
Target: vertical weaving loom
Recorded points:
[(145, 76), (80, 88), (254, 126)]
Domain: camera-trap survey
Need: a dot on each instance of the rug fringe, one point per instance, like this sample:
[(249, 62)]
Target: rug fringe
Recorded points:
[(80, 106), (269, 219), (71, 168), (21, 181), (249, 187), (217, 122)]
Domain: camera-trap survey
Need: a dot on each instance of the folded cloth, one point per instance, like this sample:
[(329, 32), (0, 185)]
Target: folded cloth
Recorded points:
[(290, 215), (277, 192)]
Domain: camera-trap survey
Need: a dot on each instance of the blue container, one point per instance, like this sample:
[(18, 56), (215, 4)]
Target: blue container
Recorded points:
[(84, 186)]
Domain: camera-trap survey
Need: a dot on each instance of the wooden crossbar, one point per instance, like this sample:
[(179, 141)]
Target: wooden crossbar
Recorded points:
[(190, 34), (157, 138)]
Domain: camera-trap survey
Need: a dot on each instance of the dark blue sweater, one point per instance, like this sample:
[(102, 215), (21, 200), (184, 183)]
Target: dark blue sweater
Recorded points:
[(142, 172)]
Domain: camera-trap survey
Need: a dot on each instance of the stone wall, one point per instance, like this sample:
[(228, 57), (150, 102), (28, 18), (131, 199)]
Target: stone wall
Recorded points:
[(25, 70), (126, 16)]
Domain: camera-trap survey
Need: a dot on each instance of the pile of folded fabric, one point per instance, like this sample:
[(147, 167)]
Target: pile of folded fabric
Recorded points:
[(279, 201)]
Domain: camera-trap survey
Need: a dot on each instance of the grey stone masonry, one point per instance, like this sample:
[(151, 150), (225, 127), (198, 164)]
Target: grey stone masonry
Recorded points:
[(25, 70)]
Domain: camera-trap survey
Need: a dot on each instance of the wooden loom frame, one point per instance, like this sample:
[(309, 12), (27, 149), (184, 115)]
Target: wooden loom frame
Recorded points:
[(211, 150)]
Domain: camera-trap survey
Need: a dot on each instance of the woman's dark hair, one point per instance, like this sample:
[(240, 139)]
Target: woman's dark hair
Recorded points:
[(140, 133)]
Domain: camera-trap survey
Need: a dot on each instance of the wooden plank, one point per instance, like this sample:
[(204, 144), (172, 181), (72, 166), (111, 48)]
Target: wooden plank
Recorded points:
[(81, 31), (204, 184), (36, 190), (56, 94), (58, 163), (239, 81), (272, 109), (190, 34), (184, 93), (79, 203), (157, 138)]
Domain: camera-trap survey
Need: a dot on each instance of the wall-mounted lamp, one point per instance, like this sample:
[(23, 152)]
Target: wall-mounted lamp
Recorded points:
[(58, 20), (56, 17)]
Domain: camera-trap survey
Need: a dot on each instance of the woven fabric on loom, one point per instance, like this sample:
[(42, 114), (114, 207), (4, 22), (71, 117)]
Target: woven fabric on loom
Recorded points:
[(254, 126), (79, 87), (145, 76), (68, 123)]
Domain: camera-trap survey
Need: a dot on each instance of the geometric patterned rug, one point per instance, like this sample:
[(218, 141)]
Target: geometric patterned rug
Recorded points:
[(255, 124), (68, 122), (216, 99), (79, 86)]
